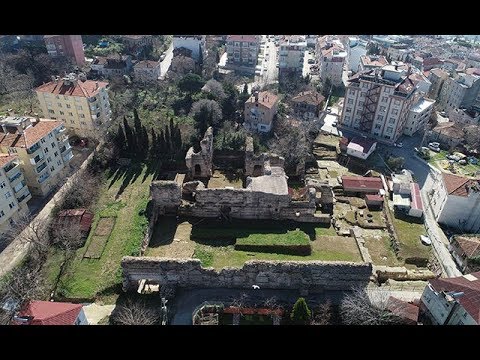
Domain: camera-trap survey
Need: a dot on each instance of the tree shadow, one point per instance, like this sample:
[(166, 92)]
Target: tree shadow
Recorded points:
[(164, 231)]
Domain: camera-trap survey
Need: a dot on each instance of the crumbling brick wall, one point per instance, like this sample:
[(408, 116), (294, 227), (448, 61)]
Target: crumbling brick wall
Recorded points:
[(200, 163)]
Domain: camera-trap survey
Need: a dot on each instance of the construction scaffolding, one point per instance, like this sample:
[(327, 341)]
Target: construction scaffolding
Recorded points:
[(369, 108)]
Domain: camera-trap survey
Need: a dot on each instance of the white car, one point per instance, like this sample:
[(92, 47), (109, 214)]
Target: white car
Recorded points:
[(425, 240)]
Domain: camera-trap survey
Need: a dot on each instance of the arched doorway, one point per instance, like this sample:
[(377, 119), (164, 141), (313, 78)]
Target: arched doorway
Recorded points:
[(198, 170)]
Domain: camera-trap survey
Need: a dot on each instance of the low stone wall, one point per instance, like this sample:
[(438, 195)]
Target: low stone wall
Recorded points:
[(188, 273)]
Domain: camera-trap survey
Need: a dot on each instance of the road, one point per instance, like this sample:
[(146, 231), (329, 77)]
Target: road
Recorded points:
[(165, 64), (269, 73), (420, 171)]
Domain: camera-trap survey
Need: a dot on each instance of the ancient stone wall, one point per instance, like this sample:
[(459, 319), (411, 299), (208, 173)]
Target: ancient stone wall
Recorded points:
[(200, 164), (166, 195), (188, 273)]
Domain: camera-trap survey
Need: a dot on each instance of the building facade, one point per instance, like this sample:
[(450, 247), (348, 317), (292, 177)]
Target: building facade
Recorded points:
[(195, 43), (452, 301), (42, 148), (331, 57), (146, 70), (66, 45), (418, 116), (242, 52), (82, 105), (460, 91), (465, 250), (377, 102), (308, 104), (455, 200), (112, 66), (437, 77), (259, 111), (291, 55), (14, 192)]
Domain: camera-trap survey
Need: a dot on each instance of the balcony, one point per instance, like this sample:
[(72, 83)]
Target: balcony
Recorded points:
[(25, 196), (34, 148), (44, 177), (37, 159), (15, 177), (10, 168), (68, 156), (62, 138), (65, 148), (20, 186), (41, 168), (60, 130)]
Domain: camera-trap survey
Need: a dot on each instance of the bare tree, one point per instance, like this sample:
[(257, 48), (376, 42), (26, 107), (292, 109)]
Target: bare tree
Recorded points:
[(358, 308), (215, 88), (79, 194), (324, 314), (135, 313), (472, 136)]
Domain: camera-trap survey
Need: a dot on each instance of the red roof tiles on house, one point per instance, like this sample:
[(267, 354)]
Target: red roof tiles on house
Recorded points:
[(5, 159), (248, 38), (51, 313), (408, 312), (31, 135), (360, 182), (77, 88), (416, 197), (457, 185), (469, 245), (265, 98), (469, 285), (372, 197), (83, 217), (309, 97)]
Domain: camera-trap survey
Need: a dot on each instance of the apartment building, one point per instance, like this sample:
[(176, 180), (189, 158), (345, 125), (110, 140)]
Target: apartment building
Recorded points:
[(195, 43), (308, 104), (291, 56), (378, 102), (418, 116), (14, 192), (421, 82), (42, 149), (260, 109), (110, 66), (146, 70), (242, 52), (437, 77), (81, 104), (135, 44), (66, 45), (331, 56), (460, 91)]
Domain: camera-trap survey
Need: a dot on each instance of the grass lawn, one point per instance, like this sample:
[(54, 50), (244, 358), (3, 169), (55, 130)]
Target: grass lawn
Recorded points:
[(409, 237), (381, 252), (124, 196), (293, 237)]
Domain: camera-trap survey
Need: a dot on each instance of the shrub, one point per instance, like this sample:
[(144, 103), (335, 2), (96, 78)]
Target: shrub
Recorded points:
[(300, 314)]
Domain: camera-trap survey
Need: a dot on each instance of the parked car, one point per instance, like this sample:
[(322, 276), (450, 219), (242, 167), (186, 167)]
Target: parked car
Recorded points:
[(425, 240), (399, 144), (311, 61), (473, 160), (443, 113), (453, 157), (434, 146), (462, 162)]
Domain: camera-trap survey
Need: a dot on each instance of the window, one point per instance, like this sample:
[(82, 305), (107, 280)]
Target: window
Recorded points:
[(380, 117), (350, 101), (59, 104), (45, 150), (2, 184), (49, 159), (59, 163), (360, 103), (11, 205), (68, 106), (359, 112), (51, 111), (378, 126), (465, 314), (42, 141), (389, 129), (391, 121), (382, 108), (71, 114), (50, 135), (52, 168), (82, 116), (384, 99), (2, 213), (72, 122), (62, 113), (79, 107), (395, 111), (8, 195), (348, 110), (55, 153), (53, 145)]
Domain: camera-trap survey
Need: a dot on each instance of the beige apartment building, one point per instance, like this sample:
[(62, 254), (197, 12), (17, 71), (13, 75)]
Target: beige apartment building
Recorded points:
[(378, 102), (42, 149), (14, 192), (291, 56), (260, 109), (82, 105), (331, 56)]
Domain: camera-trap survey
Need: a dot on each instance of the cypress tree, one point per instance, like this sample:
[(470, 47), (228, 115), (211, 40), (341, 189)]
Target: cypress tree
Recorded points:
[(145, 144), (120, 138), (154, 145), (129, 136)]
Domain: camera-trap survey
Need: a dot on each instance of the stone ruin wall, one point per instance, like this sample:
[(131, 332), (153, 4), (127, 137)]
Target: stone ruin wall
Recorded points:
[(203, 158), (297, 275)]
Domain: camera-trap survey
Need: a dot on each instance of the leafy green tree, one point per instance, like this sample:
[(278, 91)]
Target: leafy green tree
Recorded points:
[(191, 83), (300, 314)]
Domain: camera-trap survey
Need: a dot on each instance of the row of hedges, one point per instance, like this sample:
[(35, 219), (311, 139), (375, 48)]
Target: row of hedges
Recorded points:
[(302, 250)]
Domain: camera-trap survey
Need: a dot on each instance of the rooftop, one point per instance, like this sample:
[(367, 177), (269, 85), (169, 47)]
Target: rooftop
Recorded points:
[(146, 64), (78, 88), (265, 98), (470, 245), (361, 144), (249, 38), (373, 183), (469, 285), (416, 197), (311, 97), (450, 129), (30, 136), (373, 60), (458, 185), (5, 159), (403, 309), (422, 104), (51, 313)]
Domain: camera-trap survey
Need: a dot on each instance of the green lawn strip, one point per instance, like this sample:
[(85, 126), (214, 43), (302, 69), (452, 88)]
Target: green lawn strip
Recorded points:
[(325, 231), (85, 278), (408, 233), (381, 252), (295, 237)]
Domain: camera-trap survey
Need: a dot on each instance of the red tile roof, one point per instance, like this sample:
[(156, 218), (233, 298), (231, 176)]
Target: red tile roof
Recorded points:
[(406, 311), (371, 60), (265, 98), (146, 64), (469, 245), (416, 197), (51, 313), (469, 285), (310, 97), (432, 61), (5, 159), (83, 217), (449, 129), (367, 183), (458, 185), (31, 135), (79, 88), (249, 38), (372, 197)]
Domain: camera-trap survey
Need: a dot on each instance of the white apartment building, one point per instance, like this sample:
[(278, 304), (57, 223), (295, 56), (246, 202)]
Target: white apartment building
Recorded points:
[(82, 105), (195, 43), (291, 56), (42, 148), (14, 192), (331, 56), (418, 116), (377, 102), (242, 52), (459, 92), (356, 50)]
